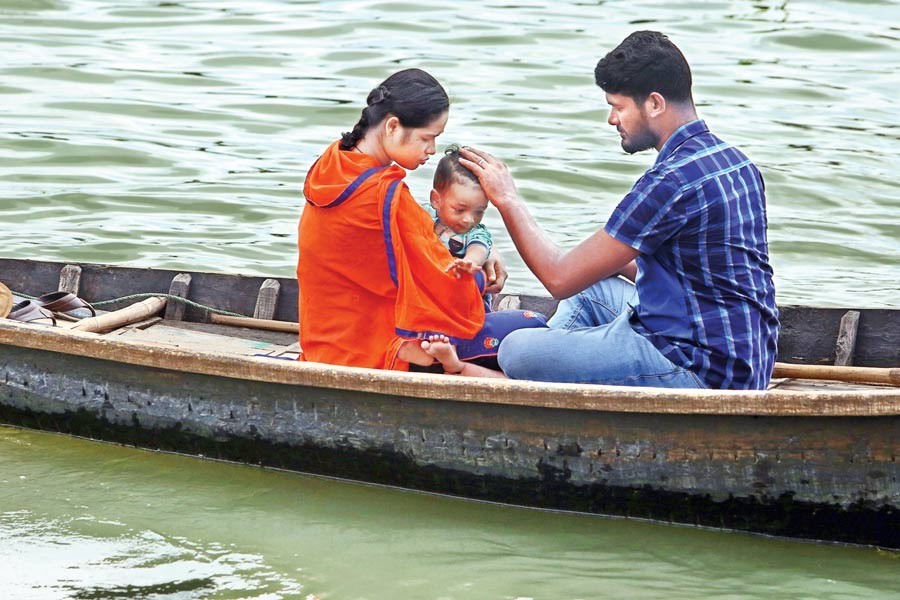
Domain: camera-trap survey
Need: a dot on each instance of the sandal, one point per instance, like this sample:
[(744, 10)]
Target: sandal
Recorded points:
[(27, 312), (63, 302)]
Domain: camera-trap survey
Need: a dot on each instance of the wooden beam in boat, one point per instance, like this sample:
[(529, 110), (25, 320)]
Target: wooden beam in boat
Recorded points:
[(70, 279), (267, 324), (139, 311), (838, 373), (180, 286), (869, 402), (267, 299), (845, 346), (808, 334)]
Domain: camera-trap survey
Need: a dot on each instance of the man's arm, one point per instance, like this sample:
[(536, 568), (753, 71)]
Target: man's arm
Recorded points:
[(562, 273), (629, 272)]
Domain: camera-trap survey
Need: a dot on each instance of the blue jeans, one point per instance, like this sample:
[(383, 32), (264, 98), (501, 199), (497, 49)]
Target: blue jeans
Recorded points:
[(590, 340)]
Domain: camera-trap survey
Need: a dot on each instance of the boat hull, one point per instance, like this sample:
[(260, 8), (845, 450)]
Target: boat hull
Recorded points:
[(817, 477)]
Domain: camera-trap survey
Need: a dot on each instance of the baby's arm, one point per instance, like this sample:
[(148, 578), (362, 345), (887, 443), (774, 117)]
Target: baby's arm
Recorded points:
[(478, 248), (475, 256), (478, 244)]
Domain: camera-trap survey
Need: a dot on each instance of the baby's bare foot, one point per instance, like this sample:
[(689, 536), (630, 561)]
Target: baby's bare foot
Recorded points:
[(439, 347)]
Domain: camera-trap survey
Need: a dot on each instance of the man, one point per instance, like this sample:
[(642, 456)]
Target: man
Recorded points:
[(691, 235)]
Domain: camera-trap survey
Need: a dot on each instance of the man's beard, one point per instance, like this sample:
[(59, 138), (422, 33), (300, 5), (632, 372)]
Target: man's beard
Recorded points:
[(640, 141)]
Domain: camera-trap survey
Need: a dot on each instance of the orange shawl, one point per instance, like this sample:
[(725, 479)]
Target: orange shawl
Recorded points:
[(371, 270)]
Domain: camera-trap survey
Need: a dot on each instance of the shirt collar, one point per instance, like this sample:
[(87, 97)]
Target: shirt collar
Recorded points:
[(681, 135)]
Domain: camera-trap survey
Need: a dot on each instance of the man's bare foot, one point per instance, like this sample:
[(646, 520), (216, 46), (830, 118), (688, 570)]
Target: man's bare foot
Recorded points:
[(439, 347)]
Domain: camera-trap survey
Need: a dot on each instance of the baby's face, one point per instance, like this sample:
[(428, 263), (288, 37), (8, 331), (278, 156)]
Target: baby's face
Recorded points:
[(461, 207)]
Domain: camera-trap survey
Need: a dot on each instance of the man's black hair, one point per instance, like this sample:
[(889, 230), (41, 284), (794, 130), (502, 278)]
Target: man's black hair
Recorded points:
[(645, 62)]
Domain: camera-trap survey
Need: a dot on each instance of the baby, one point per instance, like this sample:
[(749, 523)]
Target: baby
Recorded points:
[(457, 207)]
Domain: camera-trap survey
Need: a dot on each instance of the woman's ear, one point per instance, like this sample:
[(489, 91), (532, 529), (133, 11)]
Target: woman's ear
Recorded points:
[(392, 125)]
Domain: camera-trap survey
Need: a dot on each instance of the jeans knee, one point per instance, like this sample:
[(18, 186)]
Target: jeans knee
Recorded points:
[(514, 353)]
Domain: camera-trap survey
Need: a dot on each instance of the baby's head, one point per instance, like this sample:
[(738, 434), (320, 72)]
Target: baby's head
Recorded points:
[(457, 197)]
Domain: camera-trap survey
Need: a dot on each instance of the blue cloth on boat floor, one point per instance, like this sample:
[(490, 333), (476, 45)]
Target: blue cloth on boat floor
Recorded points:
[(497, 325)]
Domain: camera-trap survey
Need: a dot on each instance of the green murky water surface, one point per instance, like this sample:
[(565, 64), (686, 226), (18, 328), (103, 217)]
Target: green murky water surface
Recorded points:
[(177, 134), (82, 519)]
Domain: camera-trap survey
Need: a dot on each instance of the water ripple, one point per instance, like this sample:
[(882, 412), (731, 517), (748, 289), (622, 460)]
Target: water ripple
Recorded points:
[(195, 117)]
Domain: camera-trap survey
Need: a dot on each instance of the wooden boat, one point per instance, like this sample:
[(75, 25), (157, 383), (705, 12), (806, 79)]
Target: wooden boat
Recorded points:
[(808, 458)]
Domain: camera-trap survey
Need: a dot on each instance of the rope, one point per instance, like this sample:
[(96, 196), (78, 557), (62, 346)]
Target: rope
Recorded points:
[(148, 295)]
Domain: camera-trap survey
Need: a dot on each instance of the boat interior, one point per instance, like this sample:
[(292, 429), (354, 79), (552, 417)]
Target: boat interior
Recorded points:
[(169, 319), (251, 340)]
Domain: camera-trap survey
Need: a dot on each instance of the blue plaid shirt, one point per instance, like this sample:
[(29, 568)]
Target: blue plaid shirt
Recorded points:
[(705, 293)]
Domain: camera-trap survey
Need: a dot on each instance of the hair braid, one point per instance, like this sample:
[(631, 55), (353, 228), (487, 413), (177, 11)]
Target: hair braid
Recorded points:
[(412, 95), (350, 138)]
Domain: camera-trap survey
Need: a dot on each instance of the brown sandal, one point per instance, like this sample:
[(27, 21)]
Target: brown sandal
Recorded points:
[(63, 302), (28, 312)]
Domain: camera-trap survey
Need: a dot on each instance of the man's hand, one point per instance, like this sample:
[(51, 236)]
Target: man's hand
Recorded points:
[(493, 175), (495, 271)]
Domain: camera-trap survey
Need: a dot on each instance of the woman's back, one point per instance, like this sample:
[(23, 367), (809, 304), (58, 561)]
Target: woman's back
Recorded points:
[(346, 296), (372, 273)]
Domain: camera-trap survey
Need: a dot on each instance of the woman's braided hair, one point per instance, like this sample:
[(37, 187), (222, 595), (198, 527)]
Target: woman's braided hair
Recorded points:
[(411, 95)]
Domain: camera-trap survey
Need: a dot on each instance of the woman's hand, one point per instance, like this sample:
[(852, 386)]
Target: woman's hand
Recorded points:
[(493, 175), (495, 271)]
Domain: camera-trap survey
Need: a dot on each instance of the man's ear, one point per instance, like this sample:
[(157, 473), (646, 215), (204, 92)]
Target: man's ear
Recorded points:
[(435, 199), (655, 104)]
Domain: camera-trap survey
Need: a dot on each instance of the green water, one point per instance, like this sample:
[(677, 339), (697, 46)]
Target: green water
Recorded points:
[(82, 519), (176, 134)]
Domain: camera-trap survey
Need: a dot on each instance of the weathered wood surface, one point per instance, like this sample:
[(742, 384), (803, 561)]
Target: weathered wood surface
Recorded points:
[(233, 293), (808, 335), (197, 341), (867, 402), (6, 300), (839, 373), (70, 279), (139, 311), (255, 323), (845, 347), (825, 477), (806, 459), (180, 287), (267, 300)]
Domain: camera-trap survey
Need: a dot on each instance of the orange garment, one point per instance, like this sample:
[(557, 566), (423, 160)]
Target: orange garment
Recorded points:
[(352, 311)]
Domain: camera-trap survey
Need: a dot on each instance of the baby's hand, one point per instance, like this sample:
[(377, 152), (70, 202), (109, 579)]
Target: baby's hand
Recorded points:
[(461, 265)]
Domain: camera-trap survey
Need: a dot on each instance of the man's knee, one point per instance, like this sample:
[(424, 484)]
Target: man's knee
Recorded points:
[(519, 351)]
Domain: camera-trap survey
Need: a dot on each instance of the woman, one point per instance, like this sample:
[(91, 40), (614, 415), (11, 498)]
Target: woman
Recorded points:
[(373, 276)]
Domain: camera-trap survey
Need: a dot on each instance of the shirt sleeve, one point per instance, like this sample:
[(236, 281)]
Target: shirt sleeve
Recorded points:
[(480, 235), (649, 215), (429, 209)]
